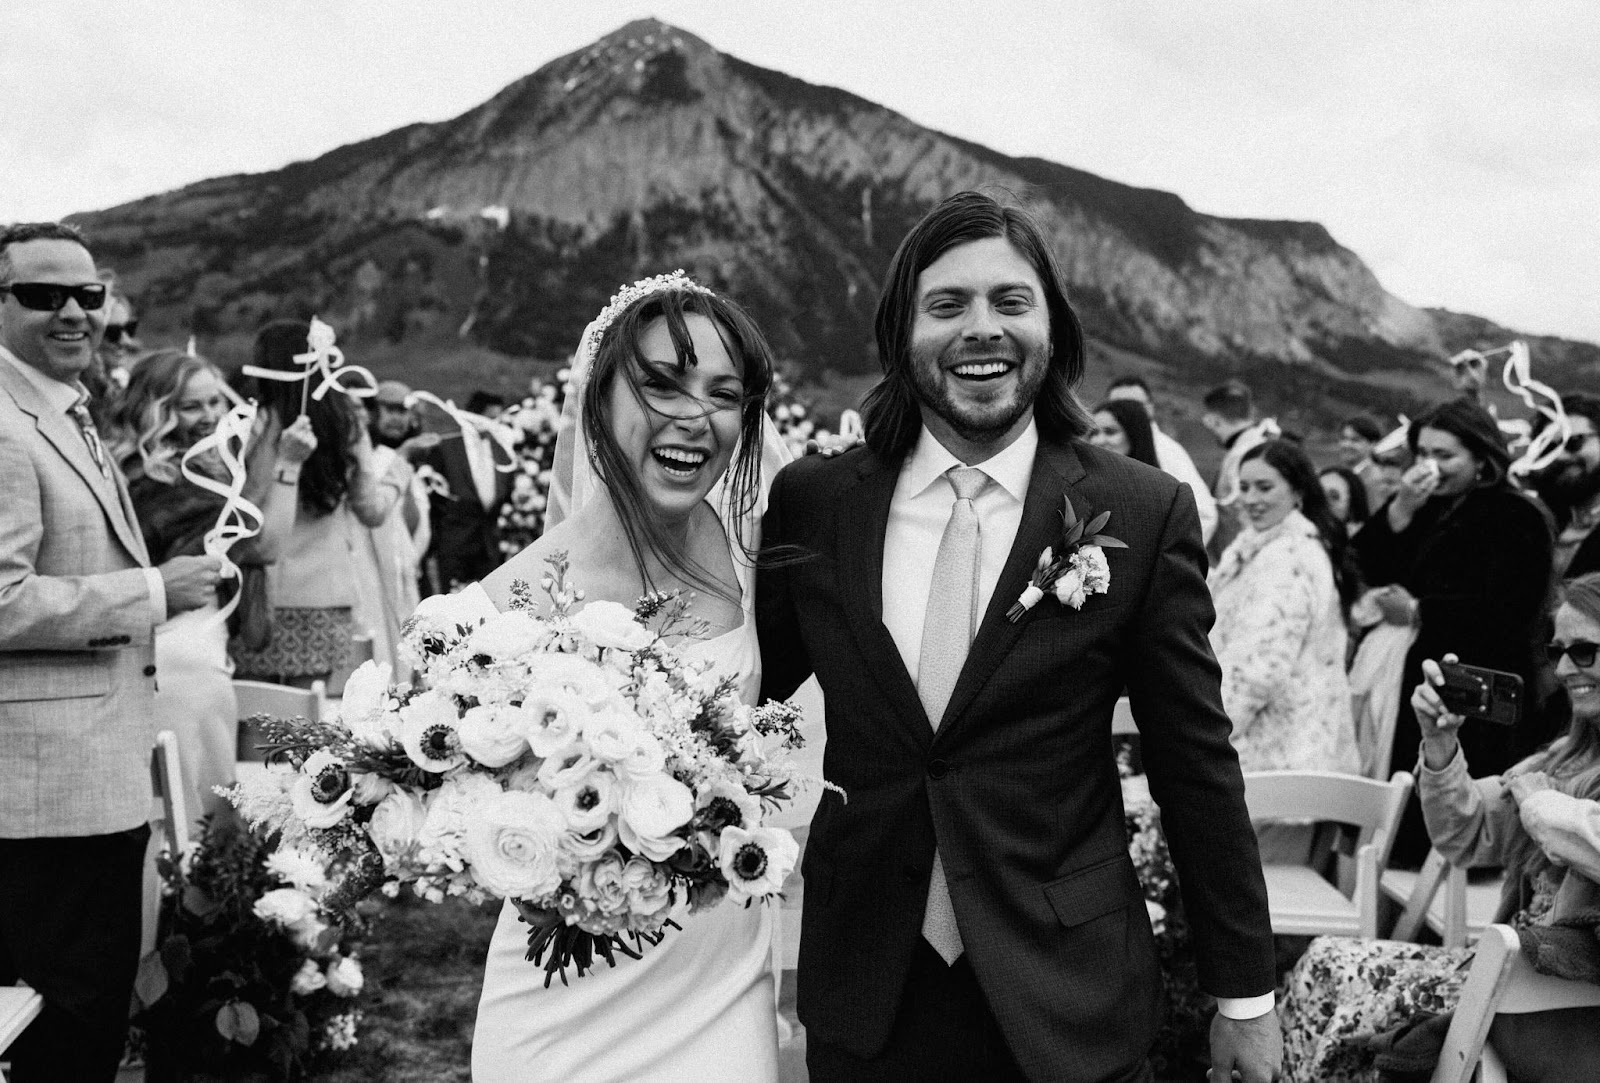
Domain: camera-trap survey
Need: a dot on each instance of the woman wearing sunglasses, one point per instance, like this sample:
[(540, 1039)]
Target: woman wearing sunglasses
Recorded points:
[(1541, 821)]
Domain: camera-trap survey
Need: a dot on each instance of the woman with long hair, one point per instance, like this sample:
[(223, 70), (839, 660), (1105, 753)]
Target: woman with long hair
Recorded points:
[(1465, 559), (1122, 426), (660, 483), (1540, 821), (1347, 497), (1280, 633), (312, 586), (172, 401)]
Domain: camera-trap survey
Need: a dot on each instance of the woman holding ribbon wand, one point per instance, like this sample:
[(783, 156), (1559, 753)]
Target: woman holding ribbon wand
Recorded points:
[(163, 429)]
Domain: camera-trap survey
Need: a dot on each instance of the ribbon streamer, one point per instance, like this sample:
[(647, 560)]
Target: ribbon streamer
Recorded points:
[(239, 518), (471, 424), (327, 360), (1545, 447)]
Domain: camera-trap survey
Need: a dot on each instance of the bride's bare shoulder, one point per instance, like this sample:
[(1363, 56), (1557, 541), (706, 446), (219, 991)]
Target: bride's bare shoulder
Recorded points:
[(529, 565)]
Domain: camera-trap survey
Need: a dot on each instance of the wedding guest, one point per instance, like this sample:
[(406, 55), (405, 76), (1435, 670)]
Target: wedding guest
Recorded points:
[(312, 585), (1230, 416), (1465, 558), (79, 604), (1570, 487), (174, 400), (1124, 427), (1280, 633), (1357, 437), (1347, 497), (1540, 820), (466, 517), (1171, 456)]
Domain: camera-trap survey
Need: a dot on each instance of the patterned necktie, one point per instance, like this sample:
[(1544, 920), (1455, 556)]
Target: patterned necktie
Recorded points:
[(97, 451), (947, 633)]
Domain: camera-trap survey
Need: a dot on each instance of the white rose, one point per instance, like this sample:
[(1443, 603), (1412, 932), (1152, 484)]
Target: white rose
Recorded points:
[(600, 884), (307, 980), (285, 907), (756, 862), (589, 804), (1069, 589), (649, 889), (441, 837), (608, 624), (321, 795), (344, 977), (508, 635), (395, 825), (491, 735), (558, 672), (613, 736), (298, 869), (365, 693), (513, 841), (650, 811), (428, 731), (551, 719), (645, 759), (468, 607)]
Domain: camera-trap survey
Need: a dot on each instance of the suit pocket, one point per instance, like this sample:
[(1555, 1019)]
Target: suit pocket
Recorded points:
[(28, 675), (1093, 892)]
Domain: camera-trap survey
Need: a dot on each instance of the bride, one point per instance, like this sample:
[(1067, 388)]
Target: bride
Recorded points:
[(659, 485)]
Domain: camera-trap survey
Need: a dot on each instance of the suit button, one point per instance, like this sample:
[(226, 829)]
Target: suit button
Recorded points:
[(938, 768), (150, 671)]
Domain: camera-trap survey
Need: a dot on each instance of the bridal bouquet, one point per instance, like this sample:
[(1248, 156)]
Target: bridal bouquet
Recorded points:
[(574, 763)]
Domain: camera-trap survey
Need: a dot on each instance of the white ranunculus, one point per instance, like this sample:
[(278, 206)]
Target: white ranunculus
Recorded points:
[(365, 693), (285, 907), (322, 794), (441, 839), (756, 862), (396, 823), (650, 811), (589, 846), (557, 672), (613, 736), (308, 979), (551, 719), (588, 804), (600, 884), (508, 635), (491, 735), (344, 977), (468, 607), (513, 841), (298, 869), (608, 624), (646, 758), (429, 732)]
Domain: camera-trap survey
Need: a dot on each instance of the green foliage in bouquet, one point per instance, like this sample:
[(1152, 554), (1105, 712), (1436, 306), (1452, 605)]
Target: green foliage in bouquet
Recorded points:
[(246, 979)]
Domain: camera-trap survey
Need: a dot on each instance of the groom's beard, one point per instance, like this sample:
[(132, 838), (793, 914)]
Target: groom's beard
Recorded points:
[(978, 424), (1567, 485)]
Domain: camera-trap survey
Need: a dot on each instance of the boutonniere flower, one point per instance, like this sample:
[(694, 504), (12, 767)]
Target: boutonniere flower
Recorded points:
[(1078, 571)]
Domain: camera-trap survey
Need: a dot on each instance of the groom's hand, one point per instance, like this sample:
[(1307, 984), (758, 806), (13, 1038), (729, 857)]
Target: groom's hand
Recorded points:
[(1246, 1049)]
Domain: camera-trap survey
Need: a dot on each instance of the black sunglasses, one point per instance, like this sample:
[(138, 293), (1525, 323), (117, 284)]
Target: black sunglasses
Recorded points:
[(53, 297), (1582, 653), (116, 331)]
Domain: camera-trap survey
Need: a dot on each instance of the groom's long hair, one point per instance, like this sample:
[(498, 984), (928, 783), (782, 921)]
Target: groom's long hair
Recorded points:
[(891, 412)]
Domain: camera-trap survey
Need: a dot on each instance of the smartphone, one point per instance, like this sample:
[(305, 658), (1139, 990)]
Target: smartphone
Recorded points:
[(1488, 694)]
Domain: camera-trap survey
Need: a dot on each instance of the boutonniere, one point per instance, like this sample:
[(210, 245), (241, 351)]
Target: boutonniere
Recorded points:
[(1078, 571)]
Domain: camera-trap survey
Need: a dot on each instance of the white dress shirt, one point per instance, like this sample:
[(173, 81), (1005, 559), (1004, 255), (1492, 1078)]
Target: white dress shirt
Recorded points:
[(62, 398), (918, 513)]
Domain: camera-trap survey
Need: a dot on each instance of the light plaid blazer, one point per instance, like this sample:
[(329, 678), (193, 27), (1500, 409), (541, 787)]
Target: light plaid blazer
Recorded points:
[(77, 634)]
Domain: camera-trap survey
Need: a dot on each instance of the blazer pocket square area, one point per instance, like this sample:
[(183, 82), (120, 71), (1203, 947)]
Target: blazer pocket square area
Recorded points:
[(1092, 892)]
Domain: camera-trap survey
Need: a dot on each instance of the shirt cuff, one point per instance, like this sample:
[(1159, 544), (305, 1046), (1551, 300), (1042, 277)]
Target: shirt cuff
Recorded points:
[(1246, 1007), (158, 593)]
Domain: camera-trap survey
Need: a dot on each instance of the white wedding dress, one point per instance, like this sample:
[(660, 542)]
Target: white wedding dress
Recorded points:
[(699, 1006)]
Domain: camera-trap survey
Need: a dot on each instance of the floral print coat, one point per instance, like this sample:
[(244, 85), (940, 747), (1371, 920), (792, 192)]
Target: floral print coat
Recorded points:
[(1280, 638)]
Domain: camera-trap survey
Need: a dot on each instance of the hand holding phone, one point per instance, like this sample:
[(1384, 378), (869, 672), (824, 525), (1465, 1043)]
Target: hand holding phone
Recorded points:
[(1491, 695)]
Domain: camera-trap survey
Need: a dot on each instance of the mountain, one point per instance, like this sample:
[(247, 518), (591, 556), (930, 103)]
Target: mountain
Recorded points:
[(498, 234)]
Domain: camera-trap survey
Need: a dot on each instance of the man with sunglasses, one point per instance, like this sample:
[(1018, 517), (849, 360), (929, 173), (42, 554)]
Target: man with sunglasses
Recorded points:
[(79, 604), (1570, 488)]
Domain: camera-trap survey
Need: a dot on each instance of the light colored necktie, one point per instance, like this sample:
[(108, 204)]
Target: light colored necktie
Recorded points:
[(97, 451), (947, 632)]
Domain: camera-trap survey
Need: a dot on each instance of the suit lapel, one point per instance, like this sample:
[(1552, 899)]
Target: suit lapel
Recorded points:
[(1056, 470), (860, 560)]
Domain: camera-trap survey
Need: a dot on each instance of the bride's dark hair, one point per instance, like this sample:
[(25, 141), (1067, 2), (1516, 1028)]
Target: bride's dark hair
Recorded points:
[(619, 353)]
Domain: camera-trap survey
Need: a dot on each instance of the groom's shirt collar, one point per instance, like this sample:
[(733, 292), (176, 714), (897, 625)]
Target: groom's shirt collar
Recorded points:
[(1011, 468)]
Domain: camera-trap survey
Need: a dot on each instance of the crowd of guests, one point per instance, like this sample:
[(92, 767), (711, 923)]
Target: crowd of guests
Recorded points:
[(1338, 586)]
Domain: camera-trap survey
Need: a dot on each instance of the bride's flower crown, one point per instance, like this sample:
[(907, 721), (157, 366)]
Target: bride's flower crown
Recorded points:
[(589, 344)]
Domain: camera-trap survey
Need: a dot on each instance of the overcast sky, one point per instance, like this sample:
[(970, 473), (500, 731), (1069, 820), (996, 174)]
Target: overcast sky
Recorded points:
[(1454, 145)]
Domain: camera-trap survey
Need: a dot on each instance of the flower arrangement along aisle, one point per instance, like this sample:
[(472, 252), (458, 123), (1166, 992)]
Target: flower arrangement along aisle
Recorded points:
[(246, 975), (535, 421), (574, 763)]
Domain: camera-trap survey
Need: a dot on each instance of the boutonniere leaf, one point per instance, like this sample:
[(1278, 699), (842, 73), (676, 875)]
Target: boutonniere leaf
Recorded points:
[(1078, 571)]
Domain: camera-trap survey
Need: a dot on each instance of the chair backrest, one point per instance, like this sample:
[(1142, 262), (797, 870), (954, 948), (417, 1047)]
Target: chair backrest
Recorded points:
[(166, 776), (1501, 980), (1370, 806), (277, 700), (1436, 873)]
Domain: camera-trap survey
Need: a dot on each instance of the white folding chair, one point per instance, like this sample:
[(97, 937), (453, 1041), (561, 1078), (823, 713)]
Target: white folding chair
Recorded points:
[(1303, 903), (170, 808), (19, 1006), (1502, 981), (279, 701), (1458, 914)]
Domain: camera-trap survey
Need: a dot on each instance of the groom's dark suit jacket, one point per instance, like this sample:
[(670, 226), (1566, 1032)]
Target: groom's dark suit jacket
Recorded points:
[(1018, 785)]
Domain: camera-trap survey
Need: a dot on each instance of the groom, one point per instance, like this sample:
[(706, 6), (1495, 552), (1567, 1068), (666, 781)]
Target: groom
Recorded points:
[(971, 910)]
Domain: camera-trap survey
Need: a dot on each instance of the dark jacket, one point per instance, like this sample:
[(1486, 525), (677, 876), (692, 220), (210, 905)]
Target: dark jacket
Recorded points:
[(1018, 786), (466, 536)]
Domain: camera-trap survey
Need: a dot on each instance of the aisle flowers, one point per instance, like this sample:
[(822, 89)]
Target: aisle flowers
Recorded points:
[(575, 763)]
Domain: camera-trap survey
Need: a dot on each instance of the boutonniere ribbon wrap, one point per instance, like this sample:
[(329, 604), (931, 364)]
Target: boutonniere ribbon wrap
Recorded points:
[(1079, 570)]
